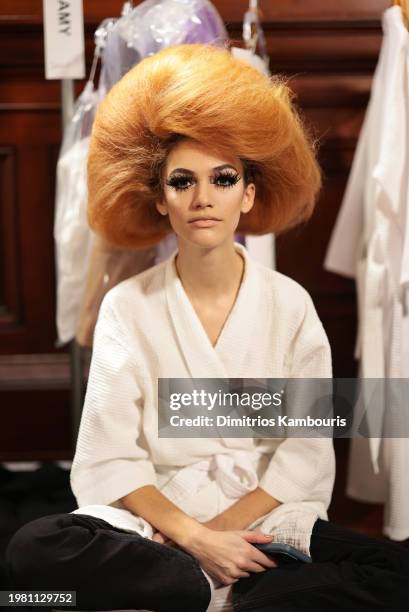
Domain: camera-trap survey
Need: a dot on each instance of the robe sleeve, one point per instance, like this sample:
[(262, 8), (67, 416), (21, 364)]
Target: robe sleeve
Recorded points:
[(109, 462), (301, 471)]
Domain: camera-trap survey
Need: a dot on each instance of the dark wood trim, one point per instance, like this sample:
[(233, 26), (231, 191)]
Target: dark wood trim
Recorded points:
[(10, 303), (27, 107), (38, 371), (29, 24), (42, 455), (291, 45)]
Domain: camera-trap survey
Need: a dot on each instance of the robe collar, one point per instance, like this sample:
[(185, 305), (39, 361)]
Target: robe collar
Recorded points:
[(226, 358)]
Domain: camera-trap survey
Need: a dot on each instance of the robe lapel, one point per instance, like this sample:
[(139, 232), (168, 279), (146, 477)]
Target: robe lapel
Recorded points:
[(238, 334), (200, 357), (203, 360)]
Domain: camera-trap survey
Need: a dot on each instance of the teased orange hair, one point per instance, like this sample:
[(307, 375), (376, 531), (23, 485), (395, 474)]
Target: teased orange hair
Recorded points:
[(201, 92)]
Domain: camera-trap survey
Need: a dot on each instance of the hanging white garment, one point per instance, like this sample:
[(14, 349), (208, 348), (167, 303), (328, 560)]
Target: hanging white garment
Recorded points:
[(148, 329), (369, 242), (73, 238)]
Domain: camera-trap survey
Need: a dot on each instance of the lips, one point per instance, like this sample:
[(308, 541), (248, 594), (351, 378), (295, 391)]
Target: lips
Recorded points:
[(204, 222), (204, 219)]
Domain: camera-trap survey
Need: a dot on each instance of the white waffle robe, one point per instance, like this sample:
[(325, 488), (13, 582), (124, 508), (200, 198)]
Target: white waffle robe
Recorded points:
[(148, 329)]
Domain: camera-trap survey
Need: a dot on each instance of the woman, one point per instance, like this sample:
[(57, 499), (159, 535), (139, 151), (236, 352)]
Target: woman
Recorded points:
[(196, 141)]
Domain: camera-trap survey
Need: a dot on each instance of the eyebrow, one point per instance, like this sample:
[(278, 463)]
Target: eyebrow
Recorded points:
[(222, 167)]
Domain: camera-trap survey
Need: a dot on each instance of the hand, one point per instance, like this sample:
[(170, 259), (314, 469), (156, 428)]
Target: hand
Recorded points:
[(229, 555), (161, 538)]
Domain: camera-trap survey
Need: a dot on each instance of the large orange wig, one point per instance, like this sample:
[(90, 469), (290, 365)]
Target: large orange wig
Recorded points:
[(200, 92)]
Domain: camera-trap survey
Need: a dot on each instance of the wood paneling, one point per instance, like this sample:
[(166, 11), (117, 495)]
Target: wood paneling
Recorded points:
[(32, 133), (10, 279), (35, 371), (329, 52), (30, 11)]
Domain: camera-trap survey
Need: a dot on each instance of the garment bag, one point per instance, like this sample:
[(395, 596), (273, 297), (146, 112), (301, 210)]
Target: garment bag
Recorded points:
[(72, 236)]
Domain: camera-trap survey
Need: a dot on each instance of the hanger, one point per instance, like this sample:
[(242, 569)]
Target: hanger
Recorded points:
[(253, 34), (100, 38), (127, 8), (404, 5)]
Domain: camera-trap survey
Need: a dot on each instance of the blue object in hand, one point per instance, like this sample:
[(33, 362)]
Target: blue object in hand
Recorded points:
[(283, 552)]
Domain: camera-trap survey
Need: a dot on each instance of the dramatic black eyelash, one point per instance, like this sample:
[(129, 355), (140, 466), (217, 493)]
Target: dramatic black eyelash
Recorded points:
[(178, 182), (232, 178)]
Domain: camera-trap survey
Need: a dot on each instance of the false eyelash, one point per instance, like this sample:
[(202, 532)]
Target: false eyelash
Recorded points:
[(231, 176), (177, 181)]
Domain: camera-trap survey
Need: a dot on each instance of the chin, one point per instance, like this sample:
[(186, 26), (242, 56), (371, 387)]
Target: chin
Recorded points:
[(206, 239)]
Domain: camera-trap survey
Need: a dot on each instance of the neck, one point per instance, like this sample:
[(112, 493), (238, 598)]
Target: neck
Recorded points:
[(209, 273)]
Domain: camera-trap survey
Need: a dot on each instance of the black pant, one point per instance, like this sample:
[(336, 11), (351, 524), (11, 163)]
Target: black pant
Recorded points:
[(111, 569)]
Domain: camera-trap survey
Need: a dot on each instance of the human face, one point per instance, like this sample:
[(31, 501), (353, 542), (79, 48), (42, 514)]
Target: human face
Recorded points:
[(204, 194)]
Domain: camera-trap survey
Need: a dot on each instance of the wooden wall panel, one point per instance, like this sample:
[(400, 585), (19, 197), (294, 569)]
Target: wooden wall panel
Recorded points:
[(10, 279), (329, 52), (32, 132), (292, 11), (334, 107)]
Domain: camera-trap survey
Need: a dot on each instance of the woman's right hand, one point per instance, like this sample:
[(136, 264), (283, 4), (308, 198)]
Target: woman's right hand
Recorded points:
[(229, 555)]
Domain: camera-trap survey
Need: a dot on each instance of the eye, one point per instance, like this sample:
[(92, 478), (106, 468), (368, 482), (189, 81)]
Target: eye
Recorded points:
[(180, 183), (226, 179), (223, 179)]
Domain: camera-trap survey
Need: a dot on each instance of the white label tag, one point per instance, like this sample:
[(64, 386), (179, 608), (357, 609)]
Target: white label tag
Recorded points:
[(251, 58), (64, 39)]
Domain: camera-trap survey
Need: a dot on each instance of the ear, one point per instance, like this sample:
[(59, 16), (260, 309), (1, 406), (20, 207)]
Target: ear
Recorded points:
[(161, 207), (248, 198)]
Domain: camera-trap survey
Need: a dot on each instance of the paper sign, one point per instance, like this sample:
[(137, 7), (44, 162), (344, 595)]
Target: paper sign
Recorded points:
[(64, 39)]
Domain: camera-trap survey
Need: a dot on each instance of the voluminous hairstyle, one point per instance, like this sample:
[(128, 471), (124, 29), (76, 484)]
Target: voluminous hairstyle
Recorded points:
[(204, 93)]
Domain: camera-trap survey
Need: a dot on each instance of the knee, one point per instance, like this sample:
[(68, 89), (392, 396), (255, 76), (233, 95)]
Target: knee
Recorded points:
[(28, 555)]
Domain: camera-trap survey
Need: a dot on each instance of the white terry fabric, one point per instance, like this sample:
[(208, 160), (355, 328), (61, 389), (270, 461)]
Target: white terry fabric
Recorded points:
[(118, 517), (148, 329), (73, 238), (371, 242)]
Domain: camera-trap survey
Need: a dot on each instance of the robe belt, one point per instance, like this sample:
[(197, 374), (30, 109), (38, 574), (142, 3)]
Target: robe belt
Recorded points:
[(370, 276), (234, 473)]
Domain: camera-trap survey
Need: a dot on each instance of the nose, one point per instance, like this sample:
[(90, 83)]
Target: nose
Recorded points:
[(201, 195)]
